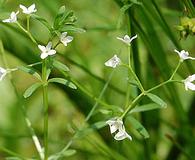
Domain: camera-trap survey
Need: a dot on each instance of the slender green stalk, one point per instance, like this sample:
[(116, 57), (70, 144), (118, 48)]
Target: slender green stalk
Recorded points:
[(133, 104), (45, 106), (135, 77), (28, 123), (28, 23), (178, 65), (27, 32), (11, 153), (100, 96)]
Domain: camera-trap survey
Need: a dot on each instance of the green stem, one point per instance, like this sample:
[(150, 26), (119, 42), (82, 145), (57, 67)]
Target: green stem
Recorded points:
[(28, 33), (133, 104), (99, 98), (161, 84), (45, 106), (28, 23), (17, 68), (178, 65), (11, 153), (134, 76)]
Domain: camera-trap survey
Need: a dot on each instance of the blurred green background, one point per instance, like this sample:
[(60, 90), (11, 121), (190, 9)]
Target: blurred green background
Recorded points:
[(171, 130)]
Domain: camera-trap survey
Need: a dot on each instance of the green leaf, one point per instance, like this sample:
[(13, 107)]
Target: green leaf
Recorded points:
[(60, 66), (43, 21), (157, 100), (146, 107), (86, 131), (63, 17), (30, 71), (29, 91), (66, 153), (138, 126), (63, 81), (70, 28)]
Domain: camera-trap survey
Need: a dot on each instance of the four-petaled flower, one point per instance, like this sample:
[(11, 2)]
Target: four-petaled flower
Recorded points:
[(65, 39), (3, 73), (28, 10), (116, 125), (126, 39), (113, 62), (188, 82), (12, 18), (183, 55), (46, 51)]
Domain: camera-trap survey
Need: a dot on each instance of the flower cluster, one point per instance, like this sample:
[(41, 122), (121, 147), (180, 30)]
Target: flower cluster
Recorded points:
[(45, 50), (116, 124), (25, 10)]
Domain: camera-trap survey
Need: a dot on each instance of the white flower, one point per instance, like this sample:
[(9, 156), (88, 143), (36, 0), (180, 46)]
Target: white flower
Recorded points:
[(28, 10), (117, 124), (126, 39), (46, 51), (12, 18), (188, 83), (3, 73), (65, 39), (113, 62), (183, 55)]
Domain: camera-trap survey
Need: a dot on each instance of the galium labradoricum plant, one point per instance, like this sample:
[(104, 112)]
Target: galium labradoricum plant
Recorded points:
[(116, 123), (63, 23)]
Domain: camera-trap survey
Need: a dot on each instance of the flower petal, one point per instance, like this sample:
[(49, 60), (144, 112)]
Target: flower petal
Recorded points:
[(52, 52), (42, 48), (44, 55), (132, 38), (122, 135), (25, 10), (49, 45), (32, 9), (113, 62)]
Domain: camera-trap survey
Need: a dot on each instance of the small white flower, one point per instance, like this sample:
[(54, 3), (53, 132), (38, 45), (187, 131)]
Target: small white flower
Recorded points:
[(12, 18), (113, 62), (126, 39), (65, 39), (28, 10), (183, 55), (3, 73), (117, 124), (188, 83), (46, 51)]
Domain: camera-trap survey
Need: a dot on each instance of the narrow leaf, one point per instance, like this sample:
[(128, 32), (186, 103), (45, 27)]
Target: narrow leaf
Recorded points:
[(63, 81), (31, 89), (146, 107), (157, 99), (138, 126), (60, 66), (66, 153), (70, 28), (30, 71), (43, 21)]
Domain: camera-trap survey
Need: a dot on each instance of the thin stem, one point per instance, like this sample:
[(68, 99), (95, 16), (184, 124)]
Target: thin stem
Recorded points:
[(162, 84), (178, 65), (45, 106), (33, 134), (135, 77), (28, 33), (133, 104), (28, 23), (17, 68), (11, 153), (100, 96)]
